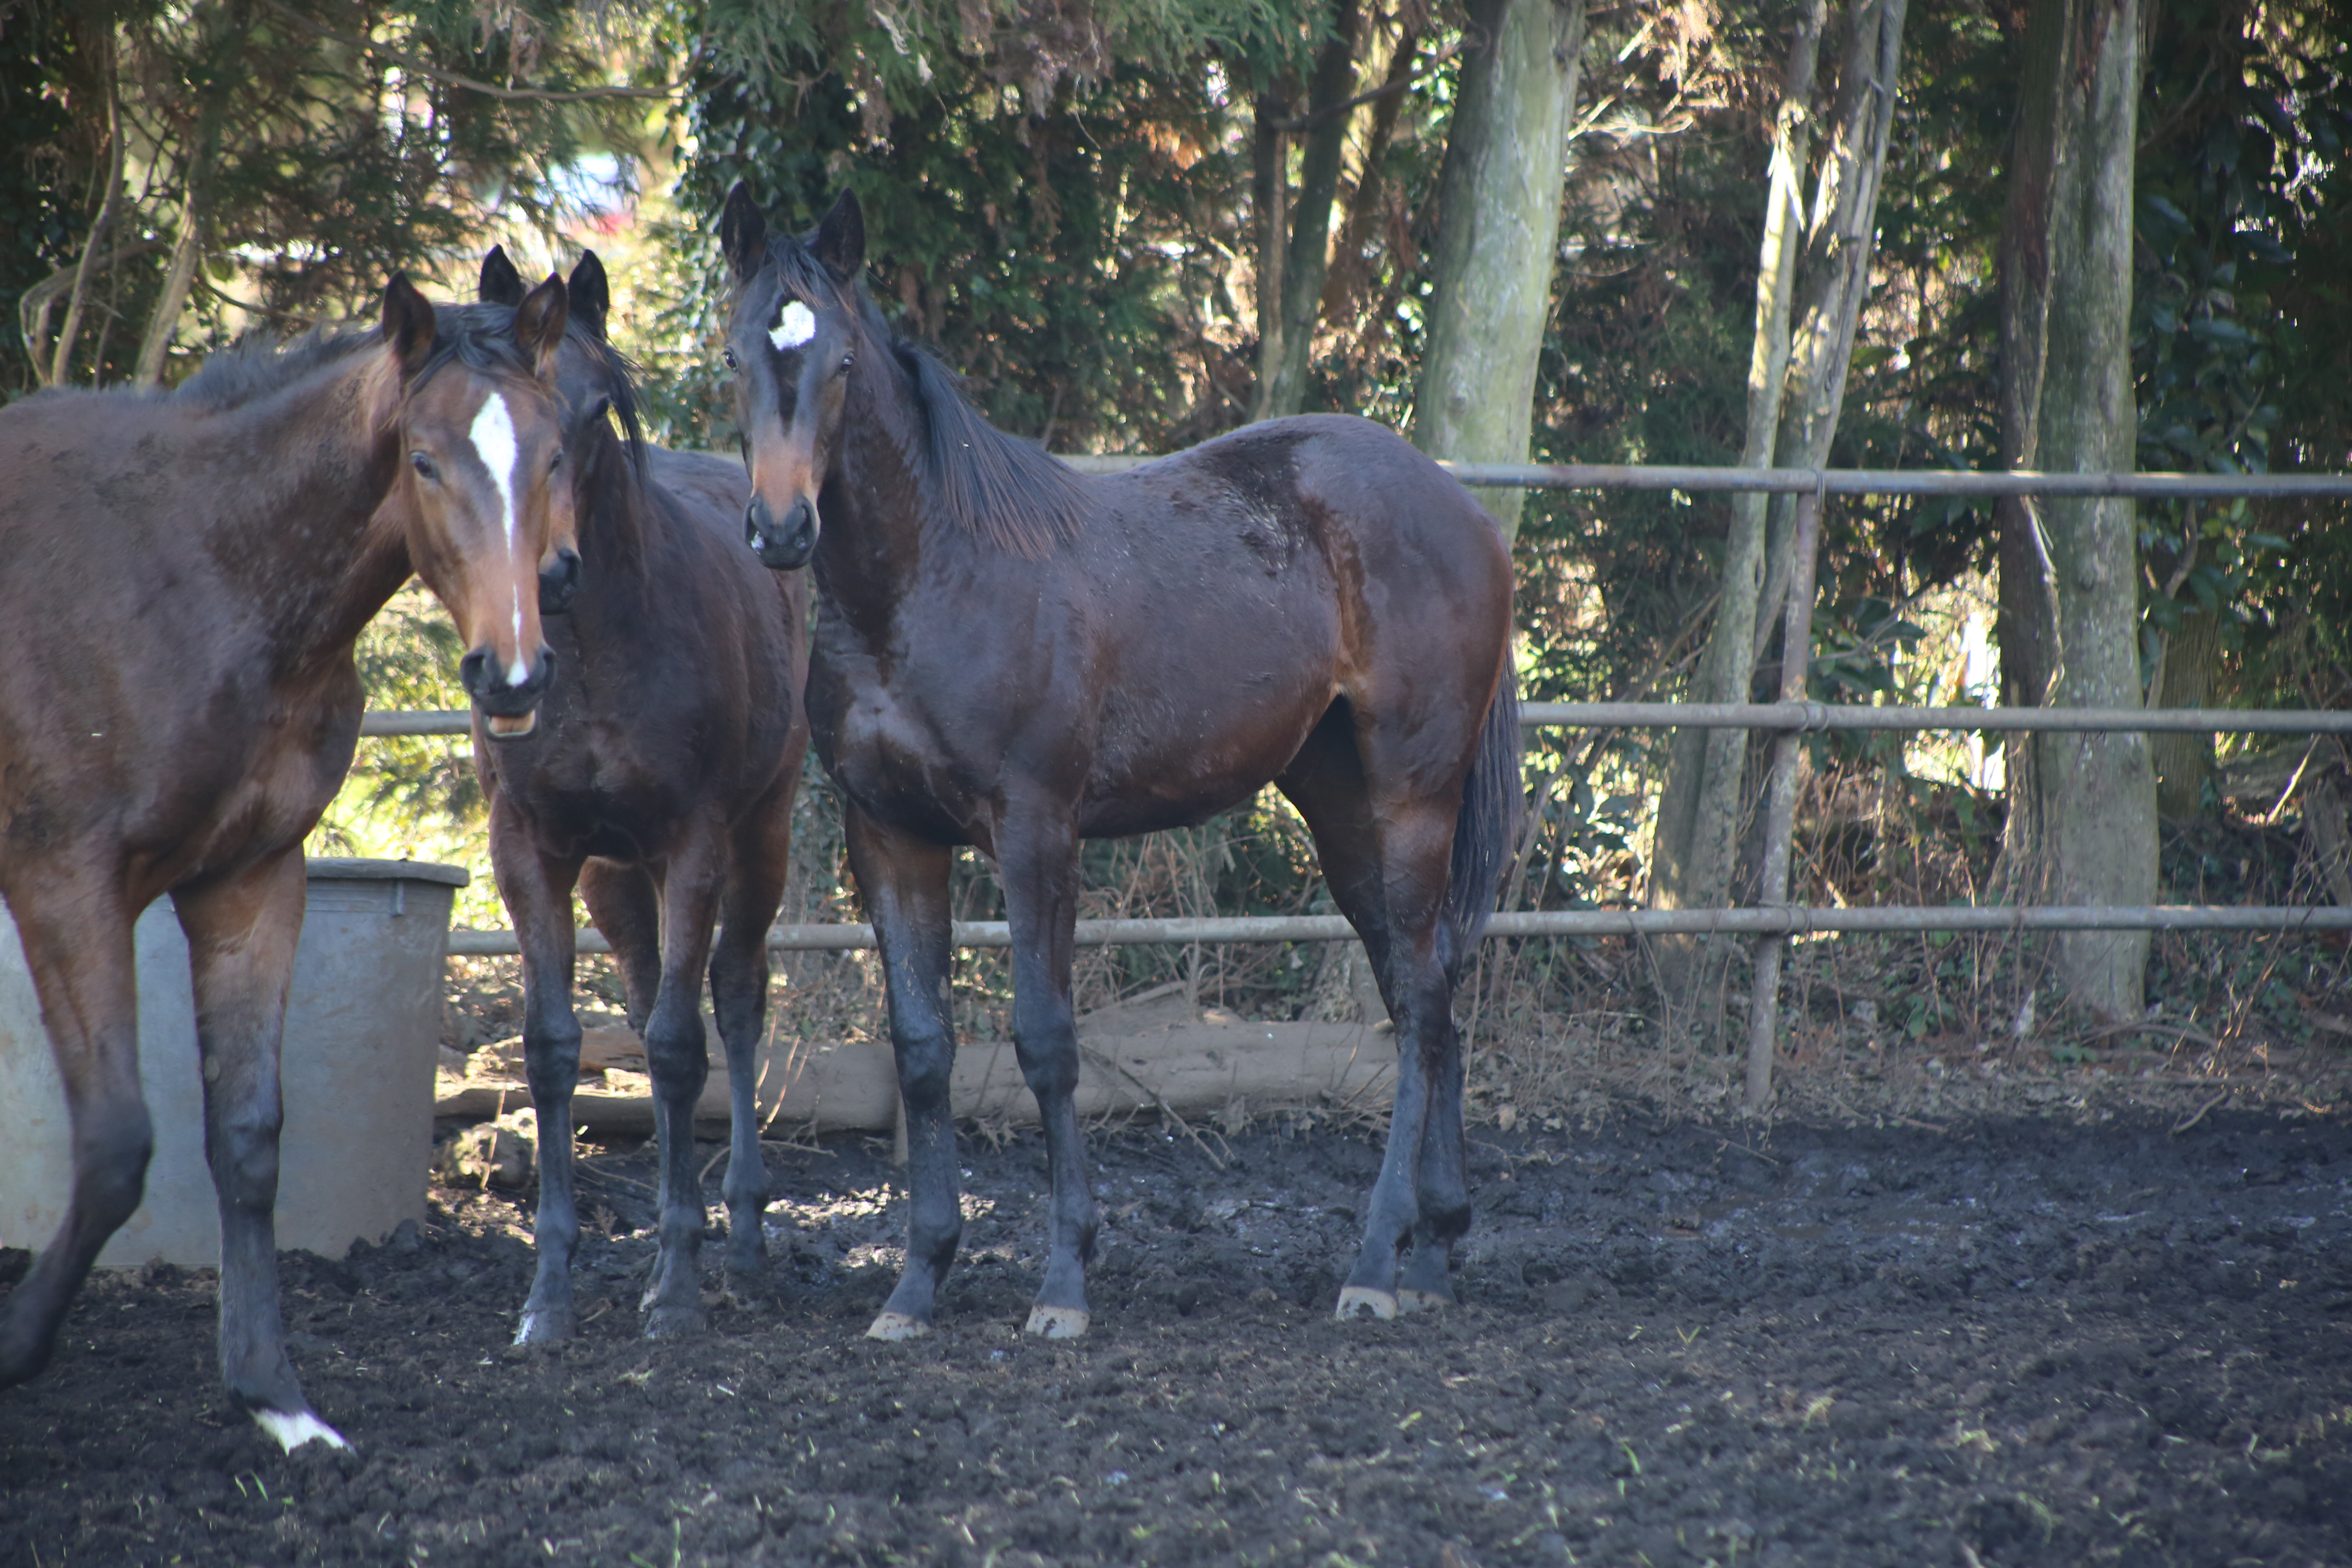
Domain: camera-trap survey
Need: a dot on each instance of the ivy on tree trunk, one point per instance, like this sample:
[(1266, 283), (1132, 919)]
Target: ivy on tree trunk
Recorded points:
[(2081, 827)]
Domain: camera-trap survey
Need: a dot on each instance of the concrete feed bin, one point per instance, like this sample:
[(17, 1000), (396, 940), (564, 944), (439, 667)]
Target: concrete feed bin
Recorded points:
[(362, 1025)]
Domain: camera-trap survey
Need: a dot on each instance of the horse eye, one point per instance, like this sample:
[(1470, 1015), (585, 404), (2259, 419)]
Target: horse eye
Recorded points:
[(846, 361), (424, 467), (728, 355)]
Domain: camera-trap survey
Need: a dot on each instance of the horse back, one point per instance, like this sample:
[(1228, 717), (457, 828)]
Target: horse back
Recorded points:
[(1255, 579)]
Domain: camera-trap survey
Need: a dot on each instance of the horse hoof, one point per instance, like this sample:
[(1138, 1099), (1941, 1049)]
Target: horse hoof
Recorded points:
[(1421, 1300), (298, 1427), (1363, 1301), (1059, 1322), (896, 1326), (542, 1327), (675, 1322)]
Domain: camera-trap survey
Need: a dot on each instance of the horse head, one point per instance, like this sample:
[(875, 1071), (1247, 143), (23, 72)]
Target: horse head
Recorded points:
[(479, 498), (792, 337)]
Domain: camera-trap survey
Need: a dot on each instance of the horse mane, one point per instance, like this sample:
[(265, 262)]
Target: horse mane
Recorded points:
[(261, 363), (1003, 488), (480, 337)]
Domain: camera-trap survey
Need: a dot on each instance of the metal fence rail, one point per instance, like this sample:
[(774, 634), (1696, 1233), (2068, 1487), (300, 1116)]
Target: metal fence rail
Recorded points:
[(1777, 920), (1798, 716), (1773, 919), (1857, 481)]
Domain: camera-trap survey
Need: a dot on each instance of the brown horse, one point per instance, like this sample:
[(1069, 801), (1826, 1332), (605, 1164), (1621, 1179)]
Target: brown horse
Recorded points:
[(1011, 656), (181, 580), (660, 781)]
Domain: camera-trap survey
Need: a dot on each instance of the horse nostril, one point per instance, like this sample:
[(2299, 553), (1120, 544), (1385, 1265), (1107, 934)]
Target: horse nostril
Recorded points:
[(755, 522), (473, 672)]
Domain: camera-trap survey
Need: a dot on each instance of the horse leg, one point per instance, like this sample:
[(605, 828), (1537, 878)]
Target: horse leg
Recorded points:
[(678, 1056), (903, 880), (1037, 859), (537, 891), (1387, 866), (625, 907), (242, 930), (738, 998), (78, 944)]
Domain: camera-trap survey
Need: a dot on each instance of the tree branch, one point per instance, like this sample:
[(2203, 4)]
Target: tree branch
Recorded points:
[(451, 79)]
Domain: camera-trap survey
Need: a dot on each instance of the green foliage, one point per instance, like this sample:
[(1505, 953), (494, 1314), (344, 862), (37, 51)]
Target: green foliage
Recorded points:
[(1060, 225), (41, 222), (386, 138), (402, 788)]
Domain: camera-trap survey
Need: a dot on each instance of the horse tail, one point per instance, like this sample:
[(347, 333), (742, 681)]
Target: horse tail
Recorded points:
[(1493, 803)]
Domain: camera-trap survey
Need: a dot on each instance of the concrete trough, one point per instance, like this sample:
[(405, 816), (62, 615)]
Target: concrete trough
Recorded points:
[(363, 1030)]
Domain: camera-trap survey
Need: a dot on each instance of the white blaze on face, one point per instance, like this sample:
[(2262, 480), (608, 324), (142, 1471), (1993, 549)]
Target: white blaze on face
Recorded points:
[(795, 325), (493, 436)]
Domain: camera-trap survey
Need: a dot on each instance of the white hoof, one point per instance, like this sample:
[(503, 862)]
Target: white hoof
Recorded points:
[(897, 1326), (1058, 1322), (1362, 1301), (301, 1427), (1421, 1300)]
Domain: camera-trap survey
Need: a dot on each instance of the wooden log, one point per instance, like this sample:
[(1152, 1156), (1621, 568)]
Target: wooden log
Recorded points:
[(1160, 1060)]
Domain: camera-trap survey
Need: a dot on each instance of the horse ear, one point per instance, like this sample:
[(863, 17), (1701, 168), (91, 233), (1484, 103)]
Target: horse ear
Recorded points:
[(841, 238), (538, 325), (743, 233), (591, 299), (500, 284), (409, 324)]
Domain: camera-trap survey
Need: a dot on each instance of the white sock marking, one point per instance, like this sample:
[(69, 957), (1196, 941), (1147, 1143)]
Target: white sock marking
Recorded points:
[(293, 1431), (795, 325)]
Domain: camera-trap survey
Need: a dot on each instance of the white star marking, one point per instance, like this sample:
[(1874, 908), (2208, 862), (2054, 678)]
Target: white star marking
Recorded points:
[(795, 326)]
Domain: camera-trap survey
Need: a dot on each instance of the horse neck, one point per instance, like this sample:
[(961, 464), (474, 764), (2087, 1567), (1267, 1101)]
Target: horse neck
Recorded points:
[(617, 520), (878, 519), (309, 532)]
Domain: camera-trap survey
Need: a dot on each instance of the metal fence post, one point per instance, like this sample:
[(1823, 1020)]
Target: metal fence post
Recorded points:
[(1781, 800)]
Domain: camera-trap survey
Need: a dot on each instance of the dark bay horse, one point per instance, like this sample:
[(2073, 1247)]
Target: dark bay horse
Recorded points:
[(660, 782), (181, 580), (1012, 656)]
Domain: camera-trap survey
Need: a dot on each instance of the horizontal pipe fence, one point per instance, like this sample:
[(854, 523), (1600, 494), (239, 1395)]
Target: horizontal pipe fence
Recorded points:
[(1773, 919), (1777, 920)]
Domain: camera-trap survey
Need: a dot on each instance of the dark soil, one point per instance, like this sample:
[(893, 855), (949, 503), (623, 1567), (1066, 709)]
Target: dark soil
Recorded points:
[(2006, 1343)]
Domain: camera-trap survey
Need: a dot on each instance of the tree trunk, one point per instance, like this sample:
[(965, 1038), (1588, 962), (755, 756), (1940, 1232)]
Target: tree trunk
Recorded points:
[(222, 82), (1498, 234), (60, 371), (1284, 358), (1698, 810), (1796, 386), (2184, 761), (1346, 276), (2081, 808)]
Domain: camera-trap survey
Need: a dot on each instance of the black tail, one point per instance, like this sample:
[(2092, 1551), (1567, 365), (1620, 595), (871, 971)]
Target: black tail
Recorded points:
[(1493, 802)]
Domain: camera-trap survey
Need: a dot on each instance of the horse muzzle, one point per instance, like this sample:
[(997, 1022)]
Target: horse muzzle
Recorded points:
[(558, 582), (510, 708), (785, 546)]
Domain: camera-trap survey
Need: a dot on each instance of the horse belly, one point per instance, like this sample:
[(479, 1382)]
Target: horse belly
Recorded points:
[(1175, 763)]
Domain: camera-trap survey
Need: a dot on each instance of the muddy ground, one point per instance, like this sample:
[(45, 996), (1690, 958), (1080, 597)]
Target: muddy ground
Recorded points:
[(2075, 1337)]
